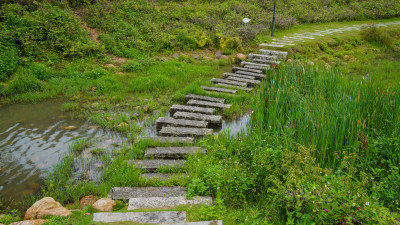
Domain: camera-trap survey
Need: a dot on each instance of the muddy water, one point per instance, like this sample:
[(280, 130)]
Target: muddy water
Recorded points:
[(33, 138)]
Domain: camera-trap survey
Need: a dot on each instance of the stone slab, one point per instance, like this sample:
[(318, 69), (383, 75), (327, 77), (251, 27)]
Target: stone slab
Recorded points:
[(142, 217), (169, 121), (255, 75), (172, 140), (153, 165), (243, 63), (193, 109), (119, 193), (255, 67), (271, 45), (238, 75), (224, 81), (263, 61), (166, 202), (281, 43), (238, 87), (216, 89), (249, 81), (162, 176), (212, 222), (208, 104), (247, 70), (213, 120), (185, 132), (261, 56), (204, 98), (171, 152), (273, 52)]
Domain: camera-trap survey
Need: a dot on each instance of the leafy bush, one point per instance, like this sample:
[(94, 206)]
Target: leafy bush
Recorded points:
[(23, 82), (9, 59), (11, 217), (377, 35), (41, 71)]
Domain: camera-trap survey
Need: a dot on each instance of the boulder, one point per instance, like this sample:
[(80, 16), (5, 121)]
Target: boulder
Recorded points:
[(241, 56), (87, 200), (218, 54), (224, 57), (29, 222), (46, 206), (104, 205)]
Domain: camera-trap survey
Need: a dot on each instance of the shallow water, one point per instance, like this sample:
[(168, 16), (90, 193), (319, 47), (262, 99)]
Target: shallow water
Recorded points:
[(33, 138)]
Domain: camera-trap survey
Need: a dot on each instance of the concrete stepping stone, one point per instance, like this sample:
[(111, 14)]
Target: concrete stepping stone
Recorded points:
[(247, 70), (213, 120), (193, 109), (166, 202), (152, 165), (249, 81), (271, 45), (255, 67), (238, 87), (120, 193), (212, 222), (172, 140), (282, 40), (224, 81), (208, 104), (261, 56), (280, 43), (204, 98), (185, 132), (221, 90), (171, 217), (168, 121), (263, 61), (273, 52), (255, 75), (244, 63), (225, 75), (172, 152), (162, 176)]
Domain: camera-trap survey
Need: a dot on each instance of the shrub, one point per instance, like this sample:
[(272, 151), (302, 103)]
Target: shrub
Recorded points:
[(376, 35), (24, 81), (9, 59), (41, 71)]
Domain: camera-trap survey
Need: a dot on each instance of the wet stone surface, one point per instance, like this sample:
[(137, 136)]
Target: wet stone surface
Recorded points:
[(166, 202), (185, 132), (222, 90), (213, 120), (186, 108), (171, 152), (168, 121), (142, 217), (204, 98), (153, 165), (119, 193), (209, 104), (224, 81)]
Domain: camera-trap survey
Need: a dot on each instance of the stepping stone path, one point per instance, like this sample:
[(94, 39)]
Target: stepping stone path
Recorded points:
[(190, 121)]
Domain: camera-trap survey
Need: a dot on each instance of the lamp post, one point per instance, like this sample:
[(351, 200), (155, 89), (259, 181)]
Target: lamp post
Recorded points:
[(273, 21)]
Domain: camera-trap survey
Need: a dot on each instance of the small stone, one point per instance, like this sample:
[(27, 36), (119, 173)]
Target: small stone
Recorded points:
[(289, 60), (126, 104), (95, 104), (69, 127), (104, 205), (110, 65), (46, 206), (195, 57), (146, 108), (87, 200), (346, 57), (175, 55), (123, 124), (117, 105), (136, 107), (224, 57), (29, 222), (241, 56), (218, 54)]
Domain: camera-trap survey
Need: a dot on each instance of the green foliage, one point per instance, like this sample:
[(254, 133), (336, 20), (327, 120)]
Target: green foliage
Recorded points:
[(377, 35), (9, 59), (11, 217), (23, 82), (79, 145)]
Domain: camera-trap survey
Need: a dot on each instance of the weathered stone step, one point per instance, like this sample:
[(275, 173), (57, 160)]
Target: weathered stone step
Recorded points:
[(244, 63), (169, 121), (193, 109), (261, 56), (171, 217), (209, 104), (172, 140), (256, 67), (249, 81), (185, 132), (221, 90), (267, 62), (255, 75), (171, 152), (162, 176), (238, 75), (280, 43), (204, 98), (247, 70), (283, 40), (238, 87), (119, 193), (273, 52), (213, 120), (153, 165), (212, 222), (271, 45), (166, 202), (223, 81)]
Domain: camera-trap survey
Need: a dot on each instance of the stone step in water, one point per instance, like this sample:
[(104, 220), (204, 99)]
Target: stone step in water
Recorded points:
[(249, 81), (153, 165), (255, 75), (208, 104), (166, 202), (171, 152), (256, 67), (238, 87), (244, 63), (225, 75), (221, 90), (120, 193), (171, 140), (168, 121), (261, 56), (204, 98), (193, 109), (212, 222), (272, 45), (171, 217), (185, 132), (247, 70), (273, 52), (224, 81), (213, 120), (263, 61), (162, 176)]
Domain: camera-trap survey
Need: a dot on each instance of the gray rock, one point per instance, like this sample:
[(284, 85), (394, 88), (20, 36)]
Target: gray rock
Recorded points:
[(255, 75), (142, 217), (243, 63), (247, 70), (271, 45), (209, 104), (213, 222), (185, 132), (166, 202), (256, 67), (221, 90), (172, 140), (193, 109), (162, 176), (119, 193), (223, 81), (249, 81), (261, 56), (168, 121), (232, 86), (218, 54), (152, 165), (238, 75), (263, 61), (280, 43), (273, 52), (204, 98), (171, 152), (213, 120)]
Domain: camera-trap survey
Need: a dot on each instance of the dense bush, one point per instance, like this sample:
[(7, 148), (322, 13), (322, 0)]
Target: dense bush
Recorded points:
[(9, 59)]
